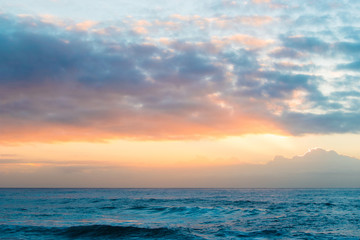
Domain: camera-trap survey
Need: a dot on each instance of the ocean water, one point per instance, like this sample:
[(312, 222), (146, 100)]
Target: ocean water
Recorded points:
[(179, 214)]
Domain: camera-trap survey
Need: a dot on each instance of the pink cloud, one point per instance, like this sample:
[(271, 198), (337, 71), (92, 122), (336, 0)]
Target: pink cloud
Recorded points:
[(243, 39)]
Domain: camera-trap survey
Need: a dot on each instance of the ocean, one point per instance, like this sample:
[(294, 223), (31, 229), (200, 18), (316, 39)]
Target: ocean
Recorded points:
[(179, 214)]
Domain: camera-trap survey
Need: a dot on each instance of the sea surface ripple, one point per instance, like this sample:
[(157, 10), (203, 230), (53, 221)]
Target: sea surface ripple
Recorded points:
[(179, 214)]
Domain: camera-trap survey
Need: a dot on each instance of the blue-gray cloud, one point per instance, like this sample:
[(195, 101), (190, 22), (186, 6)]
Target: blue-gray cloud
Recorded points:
[(348, 47), (286, 53), (338, 122), (353, 66), (95, 85), (306, 44)]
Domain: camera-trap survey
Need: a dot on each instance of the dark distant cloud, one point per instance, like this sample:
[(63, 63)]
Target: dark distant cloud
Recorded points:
[(8, 155), (316, 168), (9, 161)]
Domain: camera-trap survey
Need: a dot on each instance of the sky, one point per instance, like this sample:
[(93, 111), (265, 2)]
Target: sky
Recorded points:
[(122, 93)]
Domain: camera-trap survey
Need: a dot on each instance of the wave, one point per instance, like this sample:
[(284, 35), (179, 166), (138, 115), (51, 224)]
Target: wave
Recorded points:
[(325, 204), (108, 208), (174, 209), (245, 203), (98, 232), (119, 231)]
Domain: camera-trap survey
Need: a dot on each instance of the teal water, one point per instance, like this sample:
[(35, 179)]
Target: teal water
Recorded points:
[(179, 214)]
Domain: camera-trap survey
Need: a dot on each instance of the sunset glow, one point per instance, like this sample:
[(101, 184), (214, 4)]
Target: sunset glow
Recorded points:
[(146, 93)]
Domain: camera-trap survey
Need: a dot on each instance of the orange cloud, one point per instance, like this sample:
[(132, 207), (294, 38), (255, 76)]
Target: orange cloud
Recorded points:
[(84, 26), (219, 122), (167, 24), (140, 26), (50, 19), (256, 20), (247, 40)]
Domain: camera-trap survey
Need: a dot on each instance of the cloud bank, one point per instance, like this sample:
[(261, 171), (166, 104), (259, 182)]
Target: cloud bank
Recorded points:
[(179, 76), (316, 169)]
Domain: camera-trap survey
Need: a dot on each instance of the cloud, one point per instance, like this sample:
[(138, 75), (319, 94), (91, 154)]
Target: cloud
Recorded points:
[(58, 84), (8, 155), (290, 66), (348, 49), (223, 22), (10, 161), (62, 88), (246, 40), (261, 1), (316, 168), (350, 32), (307, 44), (336, 122), (353, 66), (284, 52), (83, 26)]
